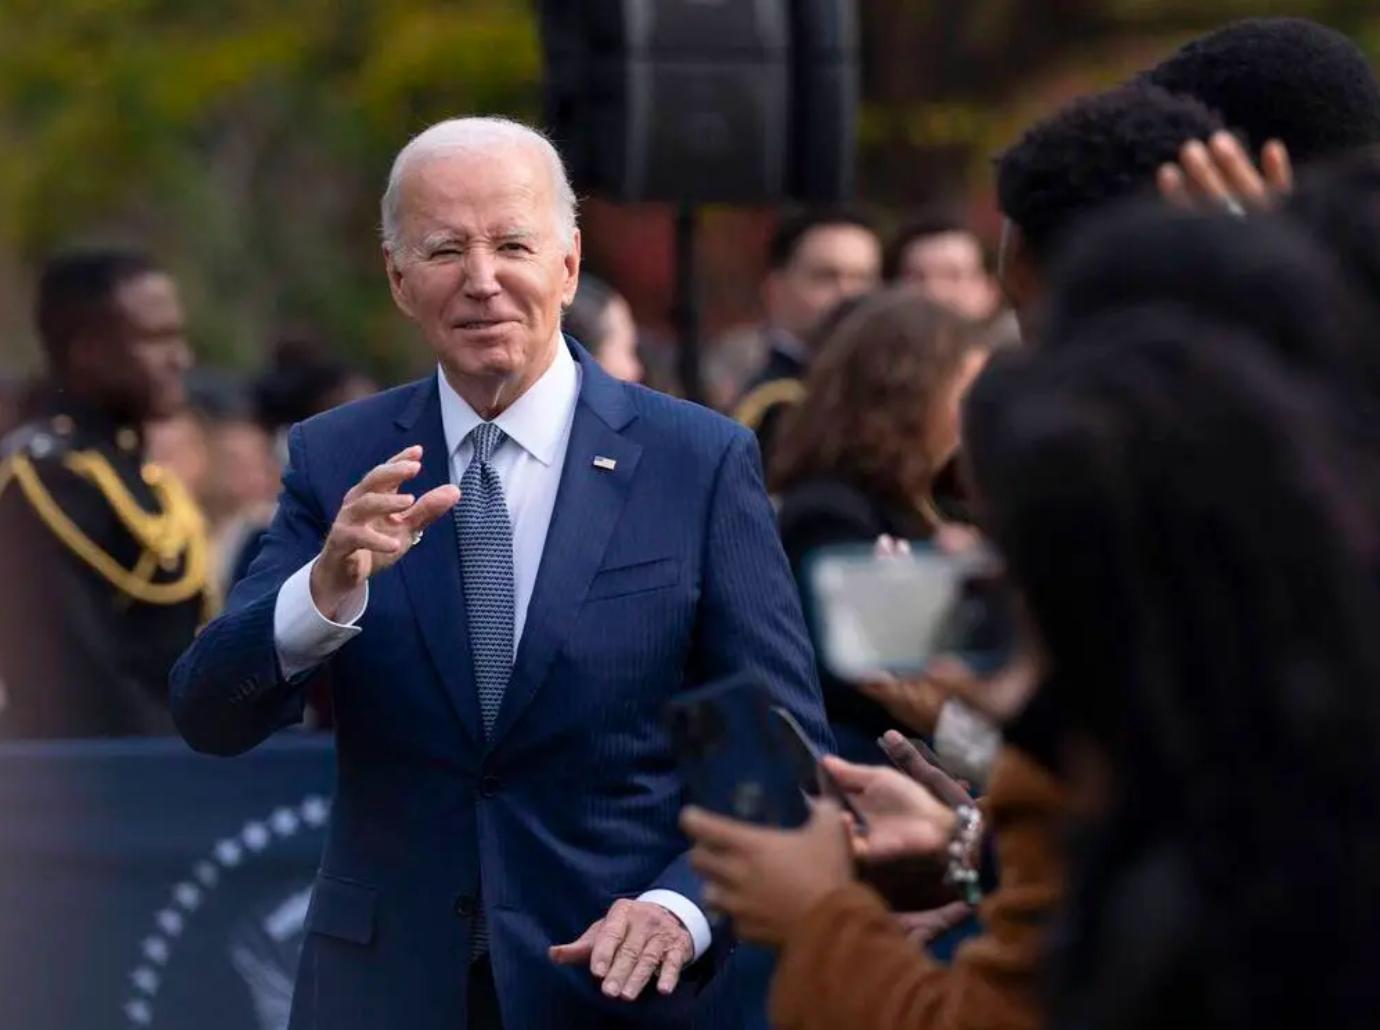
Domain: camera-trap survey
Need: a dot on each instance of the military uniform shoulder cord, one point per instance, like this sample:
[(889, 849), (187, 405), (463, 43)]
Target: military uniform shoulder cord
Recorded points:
[(754, 407), (177, 531)]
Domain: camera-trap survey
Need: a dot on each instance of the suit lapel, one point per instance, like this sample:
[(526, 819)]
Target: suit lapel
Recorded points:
[(431, 570), (589, 502)]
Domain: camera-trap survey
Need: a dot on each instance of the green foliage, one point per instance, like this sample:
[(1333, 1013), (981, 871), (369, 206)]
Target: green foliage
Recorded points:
[(245, 142)]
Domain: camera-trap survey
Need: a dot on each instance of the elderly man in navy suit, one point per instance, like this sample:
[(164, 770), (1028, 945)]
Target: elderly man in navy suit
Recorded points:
[(510, 566)]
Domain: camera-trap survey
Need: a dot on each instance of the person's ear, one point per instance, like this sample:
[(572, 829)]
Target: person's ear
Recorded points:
[(396, 283), (572, 271)]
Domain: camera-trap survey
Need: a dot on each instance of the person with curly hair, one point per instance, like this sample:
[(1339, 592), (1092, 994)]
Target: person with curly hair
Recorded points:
[(1288, 79), (1093, 152)]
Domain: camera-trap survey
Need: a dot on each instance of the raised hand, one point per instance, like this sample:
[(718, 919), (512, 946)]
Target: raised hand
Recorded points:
[(636, 940), (1220, 175), (375, 527)]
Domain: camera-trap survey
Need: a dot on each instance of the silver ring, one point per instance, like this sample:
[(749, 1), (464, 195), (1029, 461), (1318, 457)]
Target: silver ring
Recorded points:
[(416, 537)]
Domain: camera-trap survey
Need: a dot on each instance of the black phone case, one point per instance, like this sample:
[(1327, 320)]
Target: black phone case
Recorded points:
[(733, 756)]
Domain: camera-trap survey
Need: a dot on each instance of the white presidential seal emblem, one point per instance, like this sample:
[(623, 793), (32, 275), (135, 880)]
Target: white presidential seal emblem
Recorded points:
[(264, 940)]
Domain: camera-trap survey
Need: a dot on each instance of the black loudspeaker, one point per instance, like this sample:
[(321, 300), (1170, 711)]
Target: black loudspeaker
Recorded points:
[(734, 101)]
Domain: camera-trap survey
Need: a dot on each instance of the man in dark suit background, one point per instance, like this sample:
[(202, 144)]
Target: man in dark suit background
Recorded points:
[(505, 820), (816, 260)]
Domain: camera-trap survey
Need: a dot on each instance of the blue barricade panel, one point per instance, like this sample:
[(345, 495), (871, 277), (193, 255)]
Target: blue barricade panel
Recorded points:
[(142, 885)]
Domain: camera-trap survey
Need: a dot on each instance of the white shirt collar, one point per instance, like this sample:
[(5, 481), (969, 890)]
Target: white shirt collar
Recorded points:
[(536, 421)]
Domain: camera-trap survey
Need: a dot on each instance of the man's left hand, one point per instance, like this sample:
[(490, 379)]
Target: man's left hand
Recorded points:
[(627, 947)]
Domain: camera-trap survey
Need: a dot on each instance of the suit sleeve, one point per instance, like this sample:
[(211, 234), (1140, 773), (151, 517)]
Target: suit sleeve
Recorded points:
[(750, 621), (228, 690)]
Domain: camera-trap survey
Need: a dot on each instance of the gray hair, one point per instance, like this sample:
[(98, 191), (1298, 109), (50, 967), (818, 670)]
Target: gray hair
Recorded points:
[(460, 134)]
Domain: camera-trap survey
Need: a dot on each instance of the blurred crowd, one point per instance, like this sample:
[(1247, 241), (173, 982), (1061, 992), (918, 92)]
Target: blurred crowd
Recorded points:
[(1158, 403)]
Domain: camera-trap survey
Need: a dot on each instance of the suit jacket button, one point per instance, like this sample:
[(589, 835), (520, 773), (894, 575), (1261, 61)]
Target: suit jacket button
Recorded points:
[(464, 905), (488, 786)]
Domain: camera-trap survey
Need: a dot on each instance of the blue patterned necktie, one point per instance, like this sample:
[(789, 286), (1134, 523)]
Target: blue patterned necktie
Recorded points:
[(486, 566)]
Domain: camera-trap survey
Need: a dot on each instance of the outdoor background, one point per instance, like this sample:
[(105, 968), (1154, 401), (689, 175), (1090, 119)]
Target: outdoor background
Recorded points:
[(246, 141)]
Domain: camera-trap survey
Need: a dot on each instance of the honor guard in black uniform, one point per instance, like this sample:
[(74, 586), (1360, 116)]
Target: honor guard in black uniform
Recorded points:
[(816, 260), (103, 556)]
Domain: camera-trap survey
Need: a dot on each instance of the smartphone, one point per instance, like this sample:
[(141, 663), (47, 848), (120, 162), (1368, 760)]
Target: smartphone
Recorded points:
[(806, 761), (894, 614), (734, 756)]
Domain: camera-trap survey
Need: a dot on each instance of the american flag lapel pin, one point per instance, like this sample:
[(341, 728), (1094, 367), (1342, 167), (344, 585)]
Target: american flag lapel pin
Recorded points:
[(607, 464)]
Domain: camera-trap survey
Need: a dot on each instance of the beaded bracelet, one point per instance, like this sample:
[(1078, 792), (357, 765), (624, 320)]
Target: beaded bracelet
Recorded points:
[(962, 869)]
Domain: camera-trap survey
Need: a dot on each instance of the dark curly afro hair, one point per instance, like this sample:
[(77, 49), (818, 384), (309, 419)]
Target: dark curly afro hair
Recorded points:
[(1288, 79), (1095, 151)]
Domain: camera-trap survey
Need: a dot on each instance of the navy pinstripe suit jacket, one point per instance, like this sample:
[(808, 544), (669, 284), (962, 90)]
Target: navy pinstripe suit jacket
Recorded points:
[(660, 574)]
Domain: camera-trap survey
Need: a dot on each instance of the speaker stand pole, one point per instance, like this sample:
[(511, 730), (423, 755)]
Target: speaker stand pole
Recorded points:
[(686, 310)]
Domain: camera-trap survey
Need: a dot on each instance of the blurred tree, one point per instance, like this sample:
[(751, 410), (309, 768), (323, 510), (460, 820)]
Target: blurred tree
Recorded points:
[(244, 142)]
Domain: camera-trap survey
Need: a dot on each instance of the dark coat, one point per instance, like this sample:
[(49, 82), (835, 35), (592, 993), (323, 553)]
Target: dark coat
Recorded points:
[(820, 512), (93, 616)]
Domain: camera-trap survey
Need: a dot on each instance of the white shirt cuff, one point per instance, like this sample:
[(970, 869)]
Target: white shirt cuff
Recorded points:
[(689, 915), (303, 636)]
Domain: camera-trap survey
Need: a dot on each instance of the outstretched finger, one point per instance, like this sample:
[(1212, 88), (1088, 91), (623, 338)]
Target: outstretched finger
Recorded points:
[(1277, 168), (1239, 174), (607, 940), (671, 966), (348, 539), (626, 957), (431, 506), (723, 866), (647, 964), (578, 951), (716, 831), (853, 778), (369, 506), (911, 761), (385, 478), (1172, 186), (1204, 179)]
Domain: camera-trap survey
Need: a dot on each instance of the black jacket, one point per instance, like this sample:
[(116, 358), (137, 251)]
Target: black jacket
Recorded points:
[(825, 511), (94, 613)]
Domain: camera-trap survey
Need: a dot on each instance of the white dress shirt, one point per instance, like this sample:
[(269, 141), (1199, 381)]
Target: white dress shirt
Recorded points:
[(529, 463)]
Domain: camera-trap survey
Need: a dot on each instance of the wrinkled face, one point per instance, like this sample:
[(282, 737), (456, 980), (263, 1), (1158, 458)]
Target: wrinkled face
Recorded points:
[(480, 264), (948, 269), (831, 264)]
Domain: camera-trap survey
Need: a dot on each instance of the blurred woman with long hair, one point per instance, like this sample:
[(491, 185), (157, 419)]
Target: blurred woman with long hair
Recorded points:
[(858, 457)]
